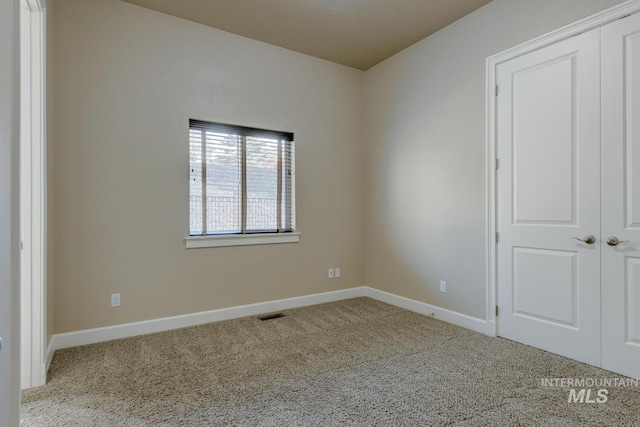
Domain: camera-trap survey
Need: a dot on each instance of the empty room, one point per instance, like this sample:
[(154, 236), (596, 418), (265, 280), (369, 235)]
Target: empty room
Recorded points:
[(319, 212)]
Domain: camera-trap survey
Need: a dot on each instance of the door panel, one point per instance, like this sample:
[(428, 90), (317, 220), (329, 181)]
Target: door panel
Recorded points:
[(621, 195), (547, 294), (548, 190), (544, 93), (631, 88), (632, 295)]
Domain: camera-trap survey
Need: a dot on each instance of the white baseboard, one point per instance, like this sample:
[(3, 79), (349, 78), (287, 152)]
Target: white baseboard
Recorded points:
[(50, 351), (108, 333), (459, 319)]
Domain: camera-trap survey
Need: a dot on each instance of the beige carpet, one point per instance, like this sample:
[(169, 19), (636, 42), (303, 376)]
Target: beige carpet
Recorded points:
[(353, 362)]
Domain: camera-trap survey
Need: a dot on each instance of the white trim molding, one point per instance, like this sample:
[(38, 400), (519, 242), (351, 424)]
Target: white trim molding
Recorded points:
[(49, 358), (595, 21), (92, 336), (213, 241), (33, 191), (475, 324)]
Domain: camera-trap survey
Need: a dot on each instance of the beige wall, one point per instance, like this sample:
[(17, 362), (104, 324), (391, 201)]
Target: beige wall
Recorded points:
[(425, 164), (390, 163), (126, 82)]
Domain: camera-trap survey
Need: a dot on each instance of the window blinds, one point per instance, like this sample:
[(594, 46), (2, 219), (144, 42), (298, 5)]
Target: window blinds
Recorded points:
[(242, 180)]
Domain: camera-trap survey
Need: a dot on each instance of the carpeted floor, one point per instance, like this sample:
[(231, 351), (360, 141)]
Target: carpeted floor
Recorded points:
[(353, 362)]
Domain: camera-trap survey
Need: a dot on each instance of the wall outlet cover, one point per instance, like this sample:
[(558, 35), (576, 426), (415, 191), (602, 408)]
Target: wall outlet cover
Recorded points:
[(115, 300)]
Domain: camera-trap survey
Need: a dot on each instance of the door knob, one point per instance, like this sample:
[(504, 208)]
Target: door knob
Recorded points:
[(588, 239), (614, 241)]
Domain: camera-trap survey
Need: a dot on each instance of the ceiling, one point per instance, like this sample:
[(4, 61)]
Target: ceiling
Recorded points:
[(356, 33)]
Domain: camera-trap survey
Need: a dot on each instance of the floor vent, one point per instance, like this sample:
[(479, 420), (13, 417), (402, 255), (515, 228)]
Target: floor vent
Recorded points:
[(271, 316)]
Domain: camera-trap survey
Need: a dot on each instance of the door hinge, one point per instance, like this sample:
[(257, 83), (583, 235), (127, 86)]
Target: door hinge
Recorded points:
[(497, 90), (497, 311), (21, 245), (497, 237), (497, 164)]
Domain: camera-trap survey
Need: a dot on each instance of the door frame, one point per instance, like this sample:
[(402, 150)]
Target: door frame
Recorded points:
[(9, 221), (592, 22), (33, 191)]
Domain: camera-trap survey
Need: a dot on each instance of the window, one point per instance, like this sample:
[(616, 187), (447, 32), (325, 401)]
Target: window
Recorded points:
[(241, 180)]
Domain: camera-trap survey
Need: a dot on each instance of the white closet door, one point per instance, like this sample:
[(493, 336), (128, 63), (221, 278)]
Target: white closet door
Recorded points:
[(621, 196), (548, 132)]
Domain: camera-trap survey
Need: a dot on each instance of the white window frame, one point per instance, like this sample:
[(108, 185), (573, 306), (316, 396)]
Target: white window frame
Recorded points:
[(258, 238), (212, 241)]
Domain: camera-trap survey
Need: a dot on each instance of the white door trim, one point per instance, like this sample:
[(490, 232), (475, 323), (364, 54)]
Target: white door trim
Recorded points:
[(595, 21), (33, 204)]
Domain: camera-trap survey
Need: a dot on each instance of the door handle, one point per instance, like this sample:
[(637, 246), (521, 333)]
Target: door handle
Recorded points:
[(589, 239), (614, 241)]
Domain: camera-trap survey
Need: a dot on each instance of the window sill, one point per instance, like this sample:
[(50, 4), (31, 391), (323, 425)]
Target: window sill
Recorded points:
[(192, 242)]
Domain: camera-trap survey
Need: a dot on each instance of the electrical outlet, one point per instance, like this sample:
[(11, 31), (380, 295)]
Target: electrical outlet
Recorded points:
[(331, 273), (337, 270), (443, 286), (115, 300)]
